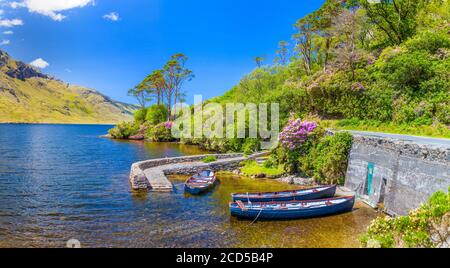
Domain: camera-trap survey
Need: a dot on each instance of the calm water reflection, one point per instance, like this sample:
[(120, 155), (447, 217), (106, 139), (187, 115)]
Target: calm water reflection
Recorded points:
[(61, 181)]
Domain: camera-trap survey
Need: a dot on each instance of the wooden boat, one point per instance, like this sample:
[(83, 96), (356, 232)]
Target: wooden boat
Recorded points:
[(300, 194), (200, 182), (292, 209)]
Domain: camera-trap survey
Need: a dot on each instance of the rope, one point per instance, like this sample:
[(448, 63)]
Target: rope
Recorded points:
[(256, 217)]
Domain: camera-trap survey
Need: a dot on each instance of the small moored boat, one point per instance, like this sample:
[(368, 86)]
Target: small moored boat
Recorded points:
[(292, 209), (200, 182), (300, 194)]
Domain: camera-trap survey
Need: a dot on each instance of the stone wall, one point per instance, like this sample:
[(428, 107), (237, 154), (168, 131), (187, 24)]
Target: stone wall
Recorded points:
[(405, 174), (185, 165)]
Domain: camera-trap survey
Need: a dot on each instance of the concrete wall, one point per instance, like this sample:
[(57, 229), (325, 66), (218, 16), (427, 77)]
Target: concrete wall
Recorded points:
[(405, 173)]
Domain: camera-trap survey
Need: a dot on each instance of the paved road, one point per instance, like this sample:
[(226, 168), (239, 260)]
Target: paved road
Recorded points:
[(439, 142)]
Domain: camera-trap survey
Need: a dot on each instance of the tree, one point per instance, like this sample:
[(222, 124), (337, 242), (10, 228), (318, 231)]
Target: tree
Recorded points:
[(142, 93), (324, 22), (156, 81), (282, 53), (395, 18), (347, 28), (175, 75), (259, 60), (304, 40)]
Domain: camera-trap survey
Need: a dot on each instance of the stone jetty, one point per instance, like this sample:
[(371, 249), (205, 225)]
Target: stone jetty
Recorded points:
[(151, 174)]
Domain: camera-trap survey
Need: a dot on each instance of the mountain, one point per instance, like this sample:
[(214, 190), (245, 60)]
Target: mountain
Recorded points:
[(29, 96)]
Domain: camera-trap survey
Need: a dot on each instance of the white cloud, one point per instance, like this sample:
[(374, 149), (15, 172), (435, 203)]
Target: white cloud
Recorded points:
[(11, 23), (8, 32), (5, 42), (113, 16), (39, 63), (51, 8), (16, 4)]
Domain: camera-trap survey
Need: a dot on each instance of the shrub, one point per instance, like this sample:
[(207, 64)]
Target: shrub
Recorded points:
[(160, 132), (427, 226), (428, 41), (234, 145), (251, 145), (139, 115), (269, 163), (408, 70), (209, 159), (295, 133), (327, 160), (124, 130), (156, 114), (296, 139)]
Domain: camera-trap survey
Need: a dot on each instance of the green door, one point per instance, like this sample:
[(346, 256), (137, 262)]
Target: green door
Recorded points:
[(370, 168)]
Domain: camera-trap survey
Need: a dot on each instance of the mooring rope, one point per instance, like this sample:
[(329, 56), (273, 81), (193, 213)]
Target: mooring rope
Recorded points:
[(256, 217)]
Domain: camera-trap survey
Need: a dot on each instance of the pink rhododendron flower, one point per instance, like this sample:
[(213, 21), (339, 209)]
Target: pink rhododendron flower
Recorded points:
[(168, 124), (295, 133)]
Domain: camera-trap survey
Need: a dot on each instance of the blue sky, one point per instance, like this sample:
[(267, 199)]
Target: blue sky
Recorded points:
[(111, 45)]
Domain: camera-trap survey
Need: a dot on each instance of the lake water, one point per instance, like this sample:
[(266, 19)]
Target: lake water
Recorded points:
[(59, 182)]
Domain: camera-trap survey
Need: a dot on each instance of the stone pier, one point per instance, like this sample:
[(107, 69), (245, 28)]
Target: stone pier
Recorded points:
[(151, 174)]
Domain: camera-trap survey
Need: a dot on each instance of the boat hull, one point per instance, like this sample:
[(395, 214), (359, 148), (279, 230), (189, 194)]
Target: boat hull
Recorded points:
[(328, 192), (280, 214), (198, 190), (200, 183)]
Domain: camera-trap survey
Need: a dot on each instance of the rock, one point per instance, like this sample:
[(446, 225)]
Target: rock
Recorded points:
[(290, 179), (137, 137)]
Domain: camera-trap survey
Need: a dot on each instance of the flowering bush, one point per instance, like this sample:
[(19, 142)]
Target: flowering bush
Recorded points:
[(124, 130), (295, 140), (168, 124), (160, 132), (295, 133), (425, 227)]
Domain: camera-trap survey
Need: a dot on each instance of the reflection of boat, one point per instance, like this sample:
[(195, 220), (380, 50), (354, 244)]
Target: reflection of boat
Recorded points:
[(200, 182), (301, 194), (292, 209)]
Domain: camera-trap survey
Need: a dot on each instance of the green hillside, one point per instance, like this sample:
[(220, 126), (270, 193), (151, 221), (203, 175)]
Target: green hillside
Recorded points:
[(357, 65), (29, 96)]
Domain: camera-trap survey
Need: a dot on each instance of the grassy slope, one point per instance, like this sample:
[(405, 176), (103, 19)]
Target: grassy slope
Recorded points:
[(252, 168), (40, 100)]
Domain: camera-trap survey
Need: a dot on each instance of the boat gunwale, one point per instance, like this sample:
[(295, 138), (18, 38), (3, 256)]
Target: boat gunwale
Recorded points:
[(292, 192), (209, 180), (349, 197)]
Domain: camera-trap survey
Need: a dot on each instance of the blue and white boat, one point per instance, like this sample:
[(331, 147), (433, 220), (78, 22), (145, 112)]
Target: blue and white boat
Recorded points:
[(291, 209), (300, 194), (200, 182)]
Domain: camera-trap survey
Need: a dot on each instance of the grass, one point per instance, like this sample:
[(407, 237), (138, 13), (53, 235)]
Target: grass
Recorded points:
[(50, 101), (438, 131), (209, 159), (251, 168)]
